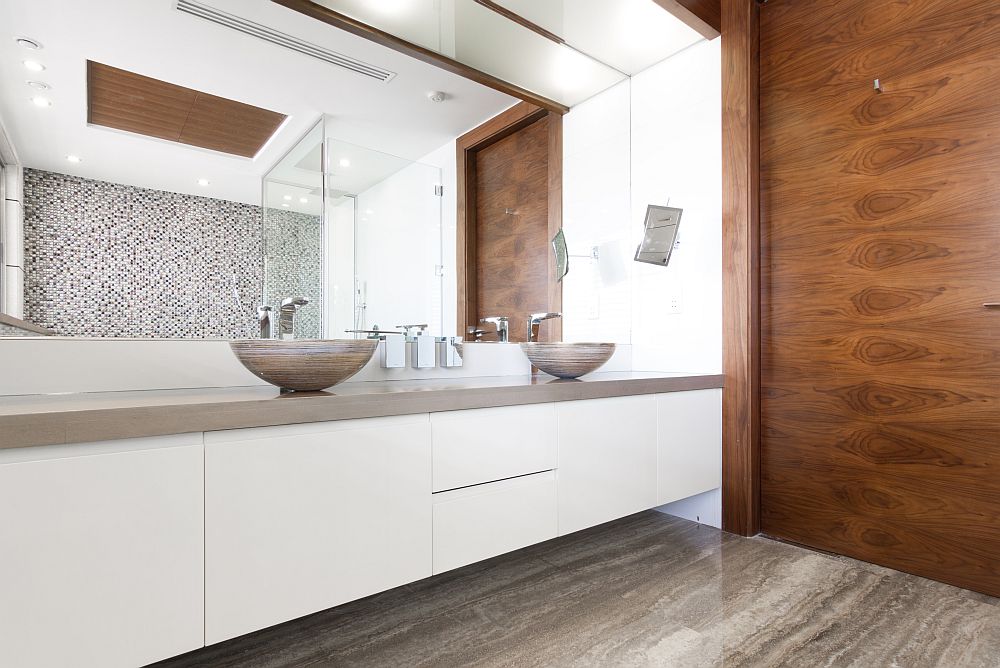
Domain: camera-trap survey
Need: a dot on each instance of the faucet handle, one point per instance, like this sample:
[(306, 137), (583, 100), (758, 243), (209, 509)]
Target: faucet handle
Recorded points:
[(406, 328), (494, 319)]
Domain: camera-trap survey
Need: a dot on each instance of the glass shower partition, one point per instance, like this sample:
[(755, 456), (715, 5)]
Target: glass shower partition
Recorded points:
[(357, 231)]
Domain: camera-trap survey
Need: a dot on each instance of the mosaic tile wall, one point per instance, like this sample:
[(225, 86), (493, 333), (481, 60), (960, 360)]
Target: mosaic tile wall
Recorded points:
[(294, 266), (110, 260)]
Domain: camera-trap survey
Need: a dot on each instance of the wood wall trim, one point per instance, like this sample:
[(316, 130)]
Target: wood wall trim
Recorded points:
[(503, 125), (704, 16), (740, 268), (555, 327), (355, 27)]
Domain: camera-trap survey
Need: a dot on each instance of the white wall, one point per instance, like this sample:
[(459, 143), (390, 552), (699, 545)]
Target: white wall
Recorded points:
[(651, 140), (654, 139), (398, 247)]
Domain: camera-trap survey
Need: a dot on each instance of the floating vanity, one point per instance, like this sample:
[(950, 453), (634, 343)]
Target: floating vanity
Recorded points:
[(138, 526)]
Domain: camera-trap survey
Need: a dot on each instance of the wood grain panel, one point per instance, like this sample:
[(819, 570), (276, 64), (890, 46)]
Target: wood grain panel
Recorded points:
[(512, 228), (740, 267), (880, 382), (505, 125), (132, 102), (704, 16)]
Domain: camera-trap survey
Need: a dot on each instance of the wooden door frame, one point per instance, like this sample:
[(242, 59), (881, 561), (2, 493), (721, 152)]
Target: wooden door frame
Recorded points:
[(505, 124), (740, 267)]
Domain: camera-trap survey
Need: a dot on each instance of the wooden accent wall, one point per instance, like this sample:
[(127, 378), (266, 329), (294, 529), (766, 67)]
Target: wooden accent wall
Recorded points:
[(740, 285), (880, 243), (482, 263)]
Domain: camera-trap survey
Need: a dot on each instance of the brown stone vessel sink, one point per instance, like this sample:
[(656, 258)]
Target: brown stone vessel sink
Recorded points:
[(568, 360), (304, 365)]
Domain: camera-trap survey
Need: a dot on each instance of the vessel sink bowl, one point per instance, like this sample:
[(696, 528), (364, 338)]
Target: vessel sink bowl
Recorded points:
[(568, 360), (304, 365)]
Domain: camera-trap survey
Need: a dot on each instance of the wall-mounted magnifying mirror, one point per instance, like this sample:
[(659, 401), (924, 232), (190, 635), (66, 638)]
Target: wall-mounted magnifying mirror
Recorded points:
[(658, 241)]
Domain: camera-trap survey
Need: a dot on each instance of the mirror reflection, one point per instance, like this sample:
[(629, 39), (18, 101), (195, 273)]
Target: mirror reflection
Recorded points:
[(157, 192)]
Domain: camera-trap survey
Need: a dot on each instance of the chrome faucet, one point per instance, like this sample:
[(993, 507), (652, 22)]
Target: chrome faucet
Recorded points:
[(501, 323), (534, 319), (265, 317), (286, 316)]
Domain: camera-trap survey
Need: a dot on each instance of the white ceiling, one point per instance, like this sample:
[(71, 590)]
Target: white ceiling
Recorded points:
[(606, 40), (152, 38)]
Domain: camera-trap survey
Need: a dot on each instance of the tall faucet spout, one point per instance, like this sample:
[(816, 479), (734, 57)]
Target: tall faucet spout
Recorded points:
[(533, 321), (286, 315)]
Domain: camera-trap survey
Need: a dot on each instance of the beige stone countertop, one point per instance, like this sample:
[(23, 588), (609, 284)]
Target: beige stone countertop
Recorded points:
[(54, 419)]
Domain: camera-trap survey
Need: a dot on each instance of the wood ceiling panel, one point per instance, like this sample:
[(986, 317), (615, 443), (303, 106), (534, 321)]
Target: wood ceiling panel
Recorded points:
[(132, 102)]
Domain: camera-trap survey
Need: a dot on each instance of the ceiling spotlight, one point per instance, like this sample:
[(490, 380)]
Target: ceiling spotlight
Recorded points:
[(304, 200), (286, 205), (344, 162), (287, 198), (40, 101), (437, 96), (28, 43), (73, 158), (33, 65), (203, 182), (38, 85)]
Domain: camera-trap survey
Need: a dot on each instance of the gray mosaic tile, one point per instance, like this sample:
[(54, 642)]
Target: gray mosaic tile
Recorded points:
[(293, 245), (110, 260)]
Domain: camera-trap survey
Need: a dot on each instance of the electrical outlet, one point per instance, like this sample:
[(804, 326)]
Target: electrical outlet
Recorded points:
[(675, 303)]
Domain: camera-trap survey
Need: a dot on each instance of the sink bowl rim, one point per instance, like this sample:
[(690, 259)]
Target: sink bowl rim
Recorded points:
[(304, 365), (601, 352)]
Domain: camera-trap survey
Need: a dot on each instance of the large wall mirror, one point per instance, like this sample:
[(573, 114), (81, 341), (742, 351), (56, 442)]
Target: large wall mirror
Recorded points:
[(192, 161), (189, 162)]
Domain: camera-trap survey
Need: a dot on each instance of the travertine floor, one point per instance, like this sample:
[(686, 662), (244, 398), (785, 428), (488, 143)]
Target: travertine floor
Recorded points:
[(648, 590)]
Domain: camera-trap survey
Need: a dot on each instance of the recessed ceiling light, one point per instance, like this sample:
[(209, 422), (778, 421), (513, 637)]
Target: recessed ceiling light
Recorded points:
[(286, 205), (203, 182), (40, 101), (38, 85), (27, 43), (33, 65), (344, 162), (304, 200), (369, 211), (287, 198), (73, 158)]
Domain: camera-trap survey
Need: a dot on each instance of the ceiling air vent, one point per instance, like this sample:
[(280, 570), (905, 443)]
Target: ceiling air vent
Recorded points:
[(248, 27)]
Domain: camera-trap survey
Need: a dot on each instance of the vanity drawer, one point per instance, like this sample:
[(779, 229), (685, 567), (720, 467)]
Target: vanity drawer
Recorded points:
[(480, 522), (486, 444)]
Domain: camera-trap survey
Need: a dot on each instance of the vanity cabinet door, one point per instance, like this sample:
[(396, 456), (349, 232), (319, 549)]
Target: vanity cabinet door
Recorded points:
[(482, 521), (306, 517), (690, 443), (607, 459), (488, 444), (101, 553)]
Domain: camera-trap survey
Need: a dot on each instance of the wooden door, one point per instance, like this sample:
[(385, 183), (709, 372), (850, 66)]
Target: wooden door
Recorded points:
[(880, 243), (509, 209), (512, 230)]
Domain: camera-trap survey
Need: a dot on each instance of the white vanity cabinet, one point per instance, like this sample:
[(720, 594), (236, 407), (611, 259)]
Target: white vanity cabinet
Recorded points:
[(101, 553), (305, 517), (689, 439), (487, 444), (495, 489), (607, 459)]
